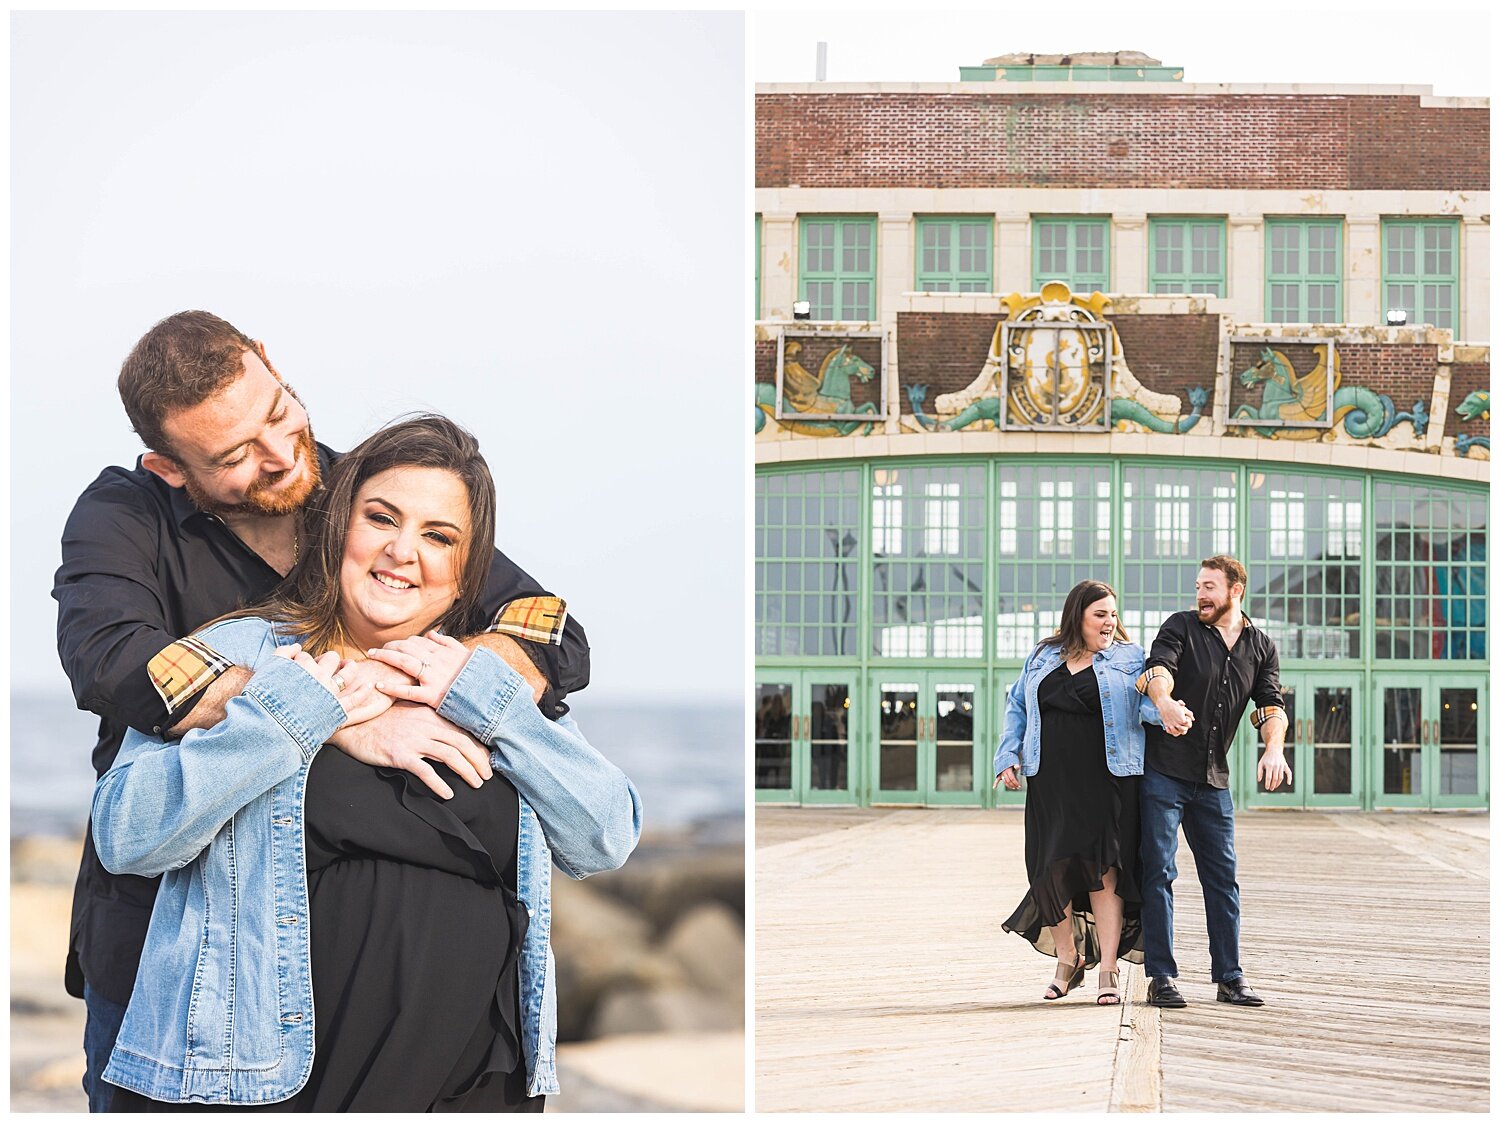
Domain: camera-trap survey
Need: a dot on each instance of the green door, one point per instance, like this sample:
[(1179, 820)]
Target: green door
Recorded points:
[(803, 735), (829, 765), (1431, 745), (1323, 733), (926, 732), (775, 725), (1333, 773), (1401, 720), (1459, 741)]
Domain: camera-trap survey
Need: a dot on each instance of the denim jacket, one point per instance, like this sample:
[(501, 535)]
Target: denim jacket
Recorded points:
[(222, 1010), (1116, 668)]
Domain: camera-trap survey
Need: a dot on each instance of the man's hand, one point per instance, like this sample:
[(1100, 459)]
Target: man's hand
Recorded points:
[(1273, 770), (407, 736)]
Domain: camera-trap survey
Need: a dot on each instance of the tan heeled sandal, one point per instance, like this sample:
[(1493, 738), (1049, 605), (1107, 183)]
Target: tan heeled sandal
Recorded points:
[(1109, 988), (1067, 978)]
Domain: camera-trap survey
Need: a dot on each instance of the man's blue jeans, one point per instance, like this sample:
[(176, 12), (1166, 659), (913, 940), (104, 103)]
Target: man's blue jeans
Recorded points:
[(99, 1033), (1206, 815)]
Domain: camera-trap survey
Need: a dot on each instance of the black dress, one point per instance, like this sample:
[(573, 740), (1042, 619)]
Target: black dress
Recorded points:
[(1081, 820), (416, 931)]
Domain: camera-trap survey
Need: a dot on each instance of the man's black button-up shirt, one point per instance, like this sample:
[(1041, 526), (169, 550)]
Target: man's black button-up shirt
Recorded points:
[(1216, 684), (141, 567)]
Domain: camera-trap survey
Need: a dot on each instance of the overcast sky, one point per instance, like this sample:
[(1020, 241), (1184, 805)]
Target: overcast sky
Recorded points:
[(534, 223), (1446, 49)]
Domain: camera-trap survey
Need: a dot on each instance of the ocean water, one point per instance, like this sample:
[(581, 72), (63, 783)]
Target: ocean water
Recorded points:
[(687, 762)]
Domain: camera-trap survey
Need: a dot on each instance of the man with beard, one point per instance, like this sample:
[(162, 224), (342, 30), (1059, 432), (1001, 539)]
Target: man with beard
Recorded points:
[(207, 522), (1214, 660)]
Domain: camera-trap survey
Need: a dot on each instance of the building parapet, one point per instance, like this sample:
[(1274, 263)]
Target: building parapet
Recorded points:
[(996, 135)]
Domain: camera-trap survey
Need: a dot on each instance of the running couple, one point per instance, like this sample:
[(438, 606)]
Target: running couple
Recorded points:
[(1116, 760), (335, 767)]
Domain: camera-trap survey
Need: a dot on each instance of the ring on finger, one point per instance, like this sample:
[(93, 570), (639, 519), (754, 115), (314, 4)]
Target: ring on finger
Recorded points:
[(422, 669), (338, 684)]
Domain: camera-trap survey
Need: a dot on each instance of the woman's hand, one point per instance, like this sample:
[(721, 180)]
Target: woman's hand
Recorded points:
[(323, 668), (357, 695), (358, 683), (1011, 778), (433, 661)]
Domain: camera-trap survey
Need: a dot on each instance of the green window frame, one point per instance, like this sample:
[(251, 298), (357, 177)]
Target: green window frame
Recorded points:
[(1306, 547), (1430, 571), (954, 254), (1072, 250), (837, 277), (757, 267), (1304, 271), (927, 533), (1419, 269), (1052, 531), (1171, 518), (1187, 255), (808, 562)]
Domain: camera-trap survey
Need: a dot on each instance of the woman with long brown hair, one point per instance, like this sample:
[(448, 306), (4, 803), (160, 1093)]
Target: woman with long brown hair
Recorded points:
[(333, 936), (1072, 728)]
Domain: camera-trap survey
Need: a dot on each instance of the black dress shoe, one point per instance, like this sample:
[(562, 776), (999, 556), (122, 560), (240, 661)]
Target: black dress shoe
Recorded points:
[(1162, 991), (1238, 993)]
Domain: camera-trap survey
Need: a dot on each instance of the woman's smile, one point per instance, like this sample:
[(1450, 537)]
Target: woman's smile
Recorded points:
[(392, 582)]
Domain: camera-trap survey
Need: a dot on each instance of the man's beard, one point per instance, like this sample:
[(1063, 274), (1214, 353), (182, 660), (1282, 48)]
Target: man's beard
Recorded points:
[(1218, 614), (259, 499)]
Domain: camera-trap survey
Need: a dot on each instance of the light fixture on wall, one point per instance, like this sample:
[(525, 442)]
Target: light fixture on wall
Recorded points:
[(801, 309), (1395, 317)]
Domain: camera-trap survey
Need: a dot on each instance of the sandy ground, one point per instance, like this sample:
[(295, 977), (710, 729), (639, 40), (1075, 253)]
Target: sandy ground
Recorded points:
[(647, 1072)]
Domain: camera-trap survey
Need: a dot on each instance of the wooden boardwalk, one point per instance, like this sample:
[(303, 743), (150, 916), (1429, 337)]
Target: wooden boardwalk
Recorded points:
[(884, 983)]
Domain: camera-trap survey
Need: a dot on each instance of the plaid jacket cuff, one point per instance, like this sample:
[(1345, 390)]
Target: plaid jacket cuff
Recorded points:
[(183, 668), (539, 619), (1154, 673), (1265, 714)]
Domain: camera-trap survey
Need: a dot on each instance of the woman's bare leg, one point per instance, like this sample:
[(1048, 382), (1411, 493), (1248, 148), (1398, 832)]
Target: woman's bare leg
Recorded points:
[(1109, 918), (1067, 950), (1062, 938)]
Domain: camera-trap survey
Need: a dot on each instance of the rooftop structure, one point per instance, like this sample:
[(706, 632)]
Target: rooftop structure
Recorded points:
[(1082, 66)]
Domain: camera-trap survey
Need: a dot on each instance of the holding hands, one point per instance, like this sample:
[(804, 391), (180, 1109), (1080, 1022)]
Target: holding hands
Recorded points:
[(1176, 718)]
